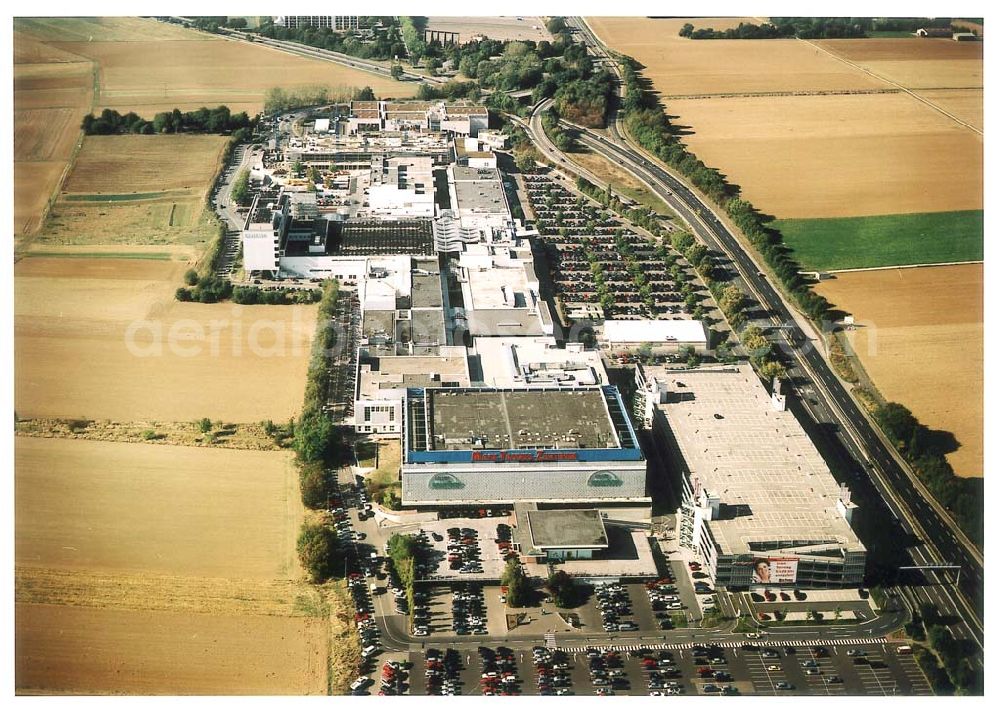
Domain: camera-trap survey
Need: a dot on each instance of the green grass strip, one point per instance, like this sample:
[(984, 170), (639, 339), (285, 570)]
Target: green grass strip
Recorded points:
[(885, 240), (112, 197)]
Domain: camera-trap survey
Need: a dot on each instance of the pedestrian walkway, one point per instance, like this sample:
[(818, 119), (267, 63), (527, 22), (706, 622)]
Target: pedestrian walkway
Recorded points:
[(725, 644)]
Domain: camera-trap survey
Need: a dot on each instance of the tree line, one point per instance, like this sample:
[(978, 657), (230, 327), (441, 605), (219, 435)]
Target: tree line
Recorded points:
[(648, 125), (808, 28), (204, 120), (925, 450)]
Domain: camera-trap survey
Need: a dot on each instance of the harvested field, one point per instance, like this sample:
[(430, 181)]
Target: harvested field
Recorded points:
[(913, 48), (679, 66), (99, 29), (496, 28), (966, 104), (147, 77), (885, 240), (49, 101), (184, 361), (95, 207), (89, 650), (920, 338), (199, 512), (916, 63), (108, 164), (33, 182), (884, 154), (166, 222)]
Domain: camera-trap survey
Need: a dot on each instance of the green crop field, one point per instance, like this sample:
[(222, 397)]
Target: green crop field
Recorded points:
[(885, 240)]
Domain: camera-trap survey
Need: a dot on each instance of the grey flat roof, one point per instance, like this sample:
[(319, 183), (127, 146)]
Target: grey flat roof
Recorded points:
[(480, 196), (774, 487), (503, 322), (520, 419), (567, 529), (425, 290), (427, 327)]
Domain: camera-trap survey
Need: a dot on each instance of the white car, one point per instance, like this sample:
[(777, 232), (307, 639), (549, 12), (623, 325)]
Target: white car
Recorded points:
[(359, 683)]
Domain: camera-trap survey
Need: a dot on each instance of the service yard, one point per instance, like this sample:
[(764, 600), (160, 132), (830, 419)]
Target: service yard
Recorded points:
[(919, 336), (105, 339), (496, 28)]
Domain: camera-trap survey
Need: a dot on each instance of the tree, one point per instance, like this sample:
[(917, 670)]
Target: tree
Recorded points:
[(364, 94), (313, 484), (317, 549), (518, 588), (191, 278), (433, 65), (204, 425), (562, 586), (312, 437), (396, 72)]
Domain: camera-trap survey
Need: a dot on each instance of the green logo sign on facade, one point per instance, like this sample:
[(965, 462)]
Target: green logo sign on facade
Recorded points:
[(442, 481), (604, 478)]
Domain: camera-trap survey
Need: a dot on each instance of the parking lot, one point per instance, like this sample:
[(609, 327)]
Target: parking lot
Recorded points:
[(481, 548)]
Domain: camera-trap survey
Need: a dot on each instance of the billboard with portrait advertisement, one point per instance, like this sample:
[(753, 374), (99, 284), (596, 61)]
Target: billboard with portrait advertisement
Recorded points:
[(775, 570)]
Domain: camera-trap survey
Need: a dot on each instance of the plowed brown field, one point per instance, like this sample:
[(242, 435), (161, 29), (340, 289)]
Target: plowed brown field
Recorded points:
[(920, 338)]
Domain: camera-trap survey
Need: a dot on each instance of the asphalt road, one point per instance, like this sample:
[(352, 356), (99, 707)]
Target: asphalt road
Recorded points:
[(934, 540)]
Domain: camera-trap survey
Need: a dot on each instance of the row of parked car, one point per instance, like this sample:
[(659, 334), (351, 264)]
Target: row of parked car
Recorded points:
[(468, 609), (552, 671), (364, 617), (499, 675), (464, 554), (661, 672), (614, 603), (607, 671), (442, 671)]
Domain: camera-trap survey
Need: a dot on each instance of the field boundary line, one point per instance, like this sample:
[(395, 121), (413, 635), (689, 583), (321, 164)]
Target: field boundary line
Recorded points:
[(919, 264), (895, 84)]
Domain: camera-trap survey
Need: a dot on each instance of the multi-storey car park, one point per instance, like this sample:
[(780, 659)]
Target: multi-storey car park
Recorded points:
[(760, 505)]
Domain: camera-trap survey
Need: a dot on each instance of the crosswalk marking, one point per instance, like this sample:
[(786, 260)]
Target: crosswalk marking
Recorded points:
[(725, 644)]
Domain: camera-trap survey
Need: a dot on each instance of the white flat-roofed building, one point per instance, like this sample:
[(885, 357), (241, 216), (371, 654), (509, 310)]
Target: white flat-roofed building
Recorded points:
[(538, 361), (662, 334), (760, 506), (500, 294), (338, 23), (382, 382), (478, 199), (401, 186)]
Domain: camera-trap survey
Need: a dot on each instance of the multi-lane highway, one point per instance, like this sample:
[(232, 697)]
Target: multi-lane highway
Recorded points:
[(935, 538), (302, 50)]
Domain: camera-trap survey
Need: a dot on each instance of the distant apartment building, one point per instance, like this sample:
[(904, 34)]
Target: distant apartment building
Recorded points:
[(338, 23)]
